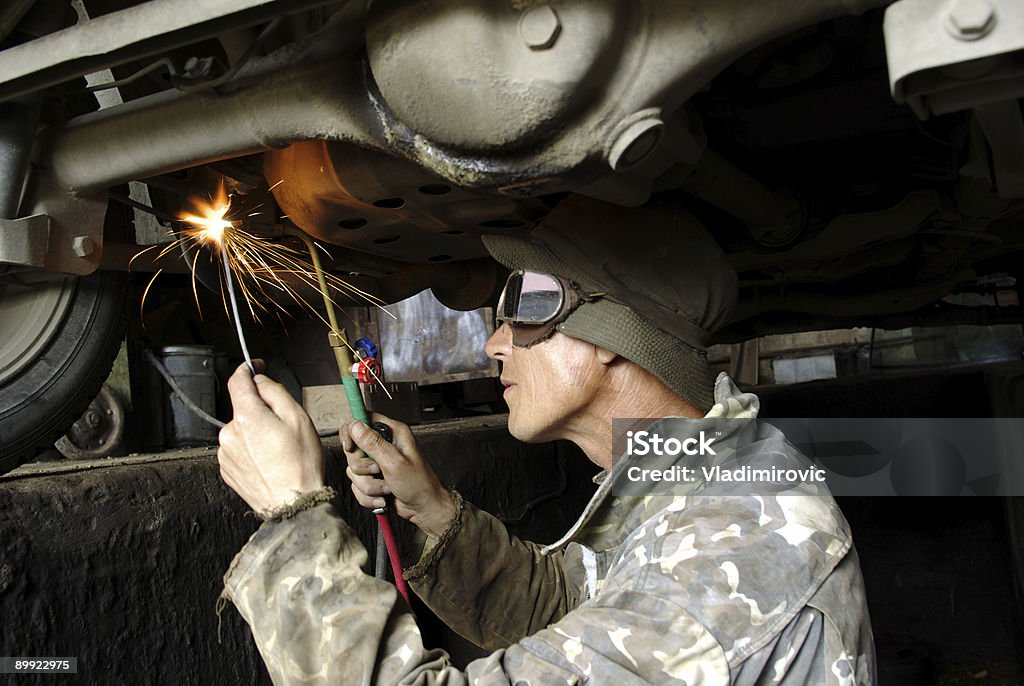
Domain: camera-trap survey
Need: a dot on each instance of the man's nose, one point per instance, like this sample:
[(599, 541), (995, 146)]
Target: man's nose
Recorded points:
[(500, 342)]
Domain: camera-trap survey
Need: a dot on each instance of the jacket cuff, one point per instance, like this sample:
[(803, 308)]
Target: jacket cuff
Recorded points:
[(434, 548), (303, 502)]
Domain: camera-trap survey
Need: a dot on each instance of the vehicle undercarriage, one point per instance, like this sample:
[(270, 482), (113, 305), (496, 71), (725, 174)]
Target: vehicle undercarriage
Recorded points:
[(859, 161)]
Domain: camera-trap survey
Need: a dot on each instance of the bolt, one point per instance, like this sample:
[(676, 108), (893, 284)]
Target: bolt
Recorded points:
[(635, 143), (82, 246), (970, 19), (539, 27), (196, 68), (93, 418)]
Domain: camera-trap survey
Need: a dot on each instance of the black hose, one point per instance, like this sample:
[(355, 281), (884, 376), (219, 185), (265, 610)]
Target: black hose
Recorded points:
[(198, 411), (125, 200)]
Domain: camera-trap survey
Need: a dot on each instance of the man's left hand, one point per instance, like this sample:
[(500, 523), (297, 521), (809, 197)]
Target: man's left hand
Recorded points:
[(270, 452)]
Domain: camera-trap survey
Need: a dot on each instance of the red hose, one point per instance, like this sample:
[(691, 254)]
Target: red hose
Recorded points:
[(392, 547)]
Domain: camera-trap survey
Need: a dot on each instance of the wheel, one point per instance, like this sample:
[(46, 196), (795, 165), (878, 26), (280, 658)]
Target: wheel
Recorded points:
[(98, 432), (58, 339)]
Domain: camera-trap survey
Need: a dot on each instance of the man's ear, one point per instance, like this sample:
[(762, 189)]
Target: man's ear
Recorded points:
[(604, 355)]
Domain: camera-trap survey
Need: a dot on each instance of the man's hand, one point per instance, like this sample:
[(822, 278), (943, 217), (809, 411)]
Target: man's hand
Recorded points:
[(270, 452), (419, 495)]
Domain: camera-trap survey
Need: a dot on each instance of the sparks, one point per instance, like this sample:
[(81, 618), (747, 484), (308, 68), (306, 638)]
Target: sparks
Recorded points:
[(267, 274)]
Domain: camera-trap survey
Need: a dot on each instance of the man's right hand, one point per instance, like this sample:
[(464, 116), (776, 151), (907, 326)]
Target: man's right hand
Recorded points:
[(418, 494)]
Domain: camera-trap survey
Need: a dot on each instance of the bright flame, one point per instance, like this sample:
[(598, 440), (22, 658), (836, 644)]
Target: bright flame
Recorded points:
[(210, 224)]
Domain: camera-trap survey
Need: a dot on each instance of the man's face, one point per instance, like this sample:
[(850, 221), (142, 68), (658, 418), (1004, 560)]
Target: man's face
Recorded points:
[(548, 386)]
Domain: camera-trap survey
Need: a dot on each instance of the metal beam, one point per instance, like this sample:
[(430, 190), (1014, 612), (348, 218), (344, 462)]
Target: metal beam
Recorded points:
[(133, 33), (172, 130), (313, 90)]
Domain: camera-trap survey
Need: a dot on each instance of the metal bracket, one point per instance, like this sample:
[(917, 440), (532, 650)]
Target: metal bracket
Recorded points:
[(61, 234), (23, 242), (955, 55)]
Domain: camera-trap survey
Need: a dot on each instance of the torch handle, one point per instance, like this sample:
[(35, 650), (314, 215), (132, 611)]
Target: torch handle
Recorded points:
[(355, 399)]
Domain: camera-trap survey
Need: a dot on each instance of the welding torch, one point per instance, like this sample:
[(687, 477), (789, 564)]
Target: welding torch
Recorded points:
[(342, 354)]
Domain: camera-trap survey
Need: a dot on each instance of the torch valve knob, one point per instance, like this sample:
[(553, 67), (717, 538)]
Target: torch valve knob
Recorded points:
[(367, 370), (366, 348)]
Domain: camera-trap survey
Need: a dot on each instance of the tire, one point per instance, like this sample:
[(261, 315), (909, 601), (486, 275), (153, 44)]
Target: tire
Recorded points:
[(52, 389)]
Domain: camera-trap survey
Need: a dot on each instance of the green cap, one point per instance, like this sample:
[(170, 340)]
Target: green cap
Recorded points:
[(668, 283)]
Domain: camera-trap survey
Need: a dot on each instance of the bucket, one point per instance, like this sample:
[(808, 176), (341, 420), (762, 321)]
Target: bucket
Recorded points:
[(192, 368)]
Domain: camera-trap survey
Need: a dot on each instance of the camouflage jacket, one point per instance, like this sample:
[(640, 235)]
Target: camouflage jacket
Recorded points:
[(707, 586)]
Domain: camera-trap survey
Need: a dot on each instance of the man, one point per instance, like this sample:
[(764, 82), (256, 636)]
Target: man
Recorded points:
[(604, 317)]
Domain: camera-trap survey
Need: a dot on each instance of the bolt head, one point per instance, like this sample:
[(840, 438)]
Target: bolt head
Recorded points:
[(197, 68), (82, 246), (971, 19), (539, 27)]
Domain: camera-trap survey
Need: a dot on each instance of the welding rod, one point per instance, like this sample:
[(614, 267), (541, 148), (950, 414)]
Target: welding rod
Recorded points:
[(234, 309)]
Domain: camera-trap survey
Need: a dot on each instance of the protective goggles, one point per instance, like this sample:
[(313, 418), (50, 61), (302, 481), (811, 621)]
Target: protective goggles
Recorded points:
[(534, 303)]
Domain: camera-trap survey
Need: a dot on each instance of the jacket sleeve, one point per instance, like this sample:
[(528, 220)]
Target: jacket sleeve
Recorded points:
[(318, 619), (487, 585)]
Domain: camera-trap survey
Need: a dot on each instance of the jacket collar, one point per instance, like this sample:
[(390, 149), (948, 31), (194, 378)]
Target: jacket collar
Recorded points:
[(730, 403)]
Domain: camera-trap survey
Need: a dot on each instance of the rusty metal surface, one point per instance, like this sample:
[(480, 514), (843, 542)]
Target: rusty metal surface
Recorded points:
[(98, 432), (388, 206)]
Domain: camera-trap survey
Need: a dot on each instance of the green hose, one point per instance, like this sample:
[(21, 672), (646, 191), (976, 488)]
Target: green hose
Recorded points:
[(355, 399)]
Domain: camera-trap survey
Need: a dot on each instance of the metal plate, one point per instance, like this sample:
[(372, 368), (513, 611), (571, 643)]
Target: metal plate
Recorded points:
[(429, 343)]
